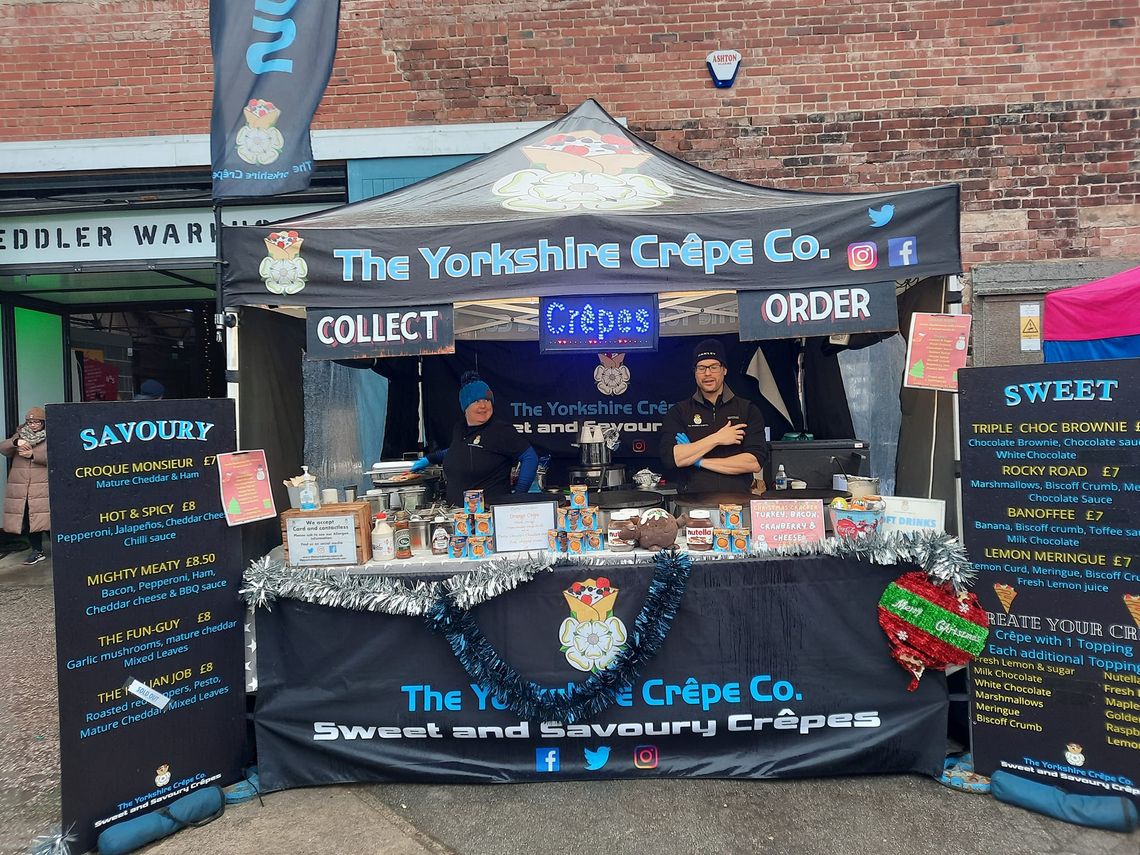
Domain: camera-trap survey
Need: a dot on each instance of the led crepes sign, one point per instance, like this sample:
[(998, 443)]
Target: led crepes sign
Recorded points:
[(598, 324)]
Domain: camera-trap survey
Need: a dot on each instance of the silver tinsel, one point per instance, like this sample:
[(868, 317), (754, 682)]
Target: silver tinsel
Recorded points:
[(53, 843), (939, 555)]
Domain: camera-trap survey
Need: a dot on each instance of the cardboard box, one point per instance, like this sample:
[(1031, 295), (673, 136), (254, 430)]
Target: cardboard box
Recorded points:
[(334, 534)]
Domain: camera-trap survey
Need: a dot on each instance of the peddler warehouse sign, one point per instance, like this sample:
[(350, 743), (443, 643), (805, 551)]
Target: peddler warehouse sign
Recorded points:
[(124, 235)]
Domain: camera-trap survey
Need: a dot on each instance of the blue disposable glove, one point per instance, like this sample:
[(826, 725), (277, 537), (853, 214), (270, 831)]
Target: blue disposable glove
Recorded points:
[(697, 462), (682, 439), (422, 463)]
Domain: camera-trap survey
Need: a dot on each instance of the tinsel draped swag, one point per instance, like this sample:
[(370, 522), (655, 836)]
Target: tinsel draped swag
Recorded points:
[(446, 606), (580, 700), (941, 556)]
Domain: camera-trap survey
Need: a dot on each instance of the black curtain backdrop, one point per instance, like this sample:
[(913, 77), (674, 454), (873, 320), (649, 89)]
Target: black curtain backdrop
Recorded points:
[(525, 384), (272, 410)]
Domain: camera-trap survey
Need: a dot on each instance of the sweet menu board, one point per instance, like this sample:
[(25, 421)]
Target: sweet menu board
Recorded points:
[(149, 624), (1051, 519)]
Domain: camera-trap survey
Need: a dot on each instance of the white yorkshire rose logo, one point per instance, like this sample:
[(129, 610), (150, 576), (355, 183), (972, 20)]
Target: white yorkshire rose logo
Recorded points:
[(539, 191), (612, 377), (592, 637)]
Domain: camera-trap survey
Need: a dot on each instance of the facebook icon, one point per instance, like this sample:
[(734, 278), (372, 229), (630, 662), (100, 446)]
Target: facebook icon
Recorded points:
[(902, 252), (546, 759)]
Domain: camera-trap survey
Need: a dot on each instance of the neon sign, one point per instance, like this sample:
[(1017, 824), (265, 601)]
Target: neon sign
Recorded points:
[(593, 324)]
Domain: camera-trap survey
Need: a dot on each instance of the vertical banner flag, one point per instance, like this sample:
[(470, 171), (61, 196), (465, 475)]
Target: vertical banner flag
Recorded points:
[(272, 60)]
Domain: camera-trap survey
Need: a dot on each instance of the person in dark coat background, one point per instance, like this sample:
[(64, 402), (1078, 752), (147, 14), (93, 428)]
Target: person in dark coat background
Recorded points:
[(26, 497)]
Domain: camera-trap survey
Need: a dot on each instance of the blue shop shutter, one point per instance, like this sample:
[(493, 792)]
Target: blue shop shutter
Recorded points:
[(379, 175)]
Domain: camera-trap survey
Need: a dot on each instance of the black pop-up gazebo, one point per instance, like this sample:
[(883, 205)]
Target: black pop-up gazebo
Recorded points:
[(583, 206)]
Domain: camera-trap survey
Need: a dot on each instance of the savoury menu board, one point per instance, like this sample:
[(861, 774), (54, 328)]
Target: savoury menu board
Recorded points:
[(1051, 519), (149, 625)]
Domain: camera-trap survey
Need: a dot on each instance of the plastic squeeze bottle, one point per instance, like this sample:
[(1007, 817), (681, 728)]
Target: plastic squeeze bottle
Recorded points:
[(383, 539), (781, 480)]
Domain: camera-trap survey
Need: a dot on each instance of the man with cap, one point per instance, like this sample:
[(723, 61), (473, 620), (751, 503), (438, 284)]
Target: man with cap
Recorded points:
[(483, 451), (714, 439)]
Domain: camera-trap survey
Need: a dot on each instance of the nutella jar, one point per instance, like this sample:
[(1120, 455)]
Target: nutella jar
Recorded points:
[(699, 531), (618, 521)]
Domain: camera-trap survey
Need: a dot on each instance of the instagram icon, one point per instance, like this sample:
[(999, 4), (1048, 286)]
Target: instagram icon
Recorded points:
[(645, 757), (862, 256)]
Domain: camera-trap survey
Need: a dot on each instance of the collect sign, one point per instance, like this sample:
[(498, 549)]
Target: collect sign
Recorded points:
[(817, 311), (598, 324), (1050, 473), (363, 333), (146, 576)]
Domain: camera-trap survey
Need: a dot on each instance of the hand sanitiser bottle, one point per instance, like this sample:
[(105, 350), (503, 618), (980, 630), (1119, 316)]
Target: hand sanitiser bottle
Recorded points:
[(307, 495)]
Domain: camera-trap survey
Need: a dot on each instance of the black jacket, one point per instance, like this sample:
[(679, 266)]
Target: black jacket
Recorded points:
[(697, 418)]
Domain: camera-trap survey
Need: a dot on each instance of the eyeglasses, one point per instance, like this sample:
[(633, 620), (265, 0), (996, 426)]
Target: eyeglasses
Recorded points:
[(709, 369), (35, 421)]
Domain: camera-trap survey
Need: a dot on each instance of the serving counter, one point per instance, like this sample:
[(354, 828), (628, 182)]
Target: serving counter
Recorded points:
[(531, 668)]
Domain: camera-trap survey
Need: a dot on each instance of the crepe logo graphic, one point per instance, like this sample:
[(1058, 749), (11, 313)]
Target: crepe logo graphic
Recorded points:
[(1132, 603), (1074, 754), (283, 270), (1006, 593), (581, 170), (591, 637), (612, 377), (162, 775), (259, 142)]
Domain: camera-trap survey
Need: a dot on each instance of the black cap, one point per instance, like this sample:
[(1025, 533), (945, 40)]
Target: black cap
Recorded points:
[(710, 348)]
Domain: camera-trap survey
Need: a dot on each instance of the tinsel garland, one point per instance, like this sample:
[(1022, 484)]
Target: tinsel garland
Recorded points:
[(55, 842), (940, 556), (589, 697), (266, 580)]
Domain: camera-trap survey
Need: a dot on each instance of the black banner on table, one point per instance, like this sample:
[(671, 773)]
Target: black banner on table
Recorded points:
[(817, 311), (272, 60), (772, 669), (365, 333), (1051, 513), (146, 574)]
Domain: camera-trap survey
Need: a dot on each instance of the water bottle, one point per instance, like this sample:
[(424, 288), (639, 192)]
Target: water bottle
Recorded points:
[(781, 480), (307, 495)]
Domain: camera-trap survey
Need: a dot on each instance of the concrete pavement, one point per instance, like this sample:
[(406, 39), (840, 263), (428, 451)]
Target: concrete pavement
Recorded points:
[(907, 815)]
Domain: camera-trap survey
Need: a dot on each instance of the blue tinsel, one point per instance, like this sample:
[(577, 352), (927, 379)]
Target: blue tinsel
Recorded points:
[(586, 699)]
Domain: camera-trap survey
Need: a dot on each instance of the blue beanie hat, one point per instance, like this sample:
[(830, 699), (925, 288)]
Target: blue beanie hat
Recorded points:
[(472, 389)]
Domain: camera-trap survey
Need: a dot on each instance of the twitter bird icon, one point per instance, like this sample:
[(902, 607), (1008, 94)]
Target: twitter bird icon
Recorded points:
[(597, 758), (882, 216)]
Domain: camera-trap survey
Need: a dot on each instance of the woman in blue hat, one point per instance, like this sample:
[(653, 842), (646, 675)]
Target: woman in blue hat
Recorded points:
[(483, 451)]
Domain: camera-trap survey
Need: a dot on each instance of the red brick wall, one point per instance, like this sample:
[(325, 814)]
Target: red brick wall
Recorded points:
[(1033, 107)]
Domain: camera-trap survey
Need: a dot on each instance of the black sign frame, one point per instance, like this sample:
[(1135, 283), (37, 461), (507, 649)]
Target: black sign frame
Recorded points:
[(1050, 457), (776, 314), (350, 333), (146, 575)]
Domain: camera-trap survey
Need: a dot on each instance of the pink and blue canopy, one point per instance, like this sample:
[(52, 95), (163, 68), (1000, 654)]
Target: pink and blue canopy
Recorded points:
[(1100, 320)]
